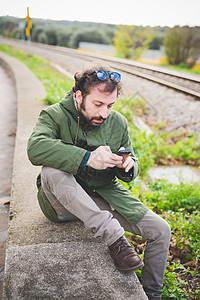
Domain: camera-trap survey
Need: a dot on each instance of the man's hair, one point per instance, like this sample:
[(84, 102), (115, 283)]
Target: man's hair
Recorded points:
[(86, 80)]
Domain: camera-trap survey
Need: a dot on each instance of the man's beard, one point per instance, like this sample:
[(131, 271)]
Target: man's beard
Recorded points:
[(88, 119)]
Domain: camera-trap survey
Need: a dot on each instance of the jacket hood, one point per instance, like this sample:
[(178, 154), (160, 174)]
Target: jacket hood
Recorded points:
[(68, 104)]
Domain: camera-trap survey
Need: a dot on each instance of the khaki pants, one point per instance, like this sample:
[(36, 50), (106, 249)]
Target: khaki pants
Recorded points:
[(71, 202)]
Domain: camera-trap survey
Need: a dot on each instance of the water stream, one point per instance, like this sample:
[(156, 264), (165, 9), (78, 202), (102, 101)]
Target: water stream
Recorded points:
[(176, 174)]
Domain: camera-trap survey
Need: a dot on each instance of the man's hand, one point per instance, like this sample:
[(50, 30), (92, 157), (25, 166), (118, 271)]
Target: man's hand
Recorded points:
[(127, 162), (103, 158)]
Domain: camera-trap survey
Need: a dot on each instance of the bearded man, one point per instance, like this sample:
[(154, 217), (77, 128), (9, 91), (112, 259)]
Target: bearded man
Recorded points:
[(76, 142)]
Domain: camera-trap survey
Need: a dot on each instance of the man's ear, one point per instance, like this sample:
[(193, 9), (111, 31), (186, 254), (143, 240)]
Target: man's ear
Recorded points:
[(79, 97)]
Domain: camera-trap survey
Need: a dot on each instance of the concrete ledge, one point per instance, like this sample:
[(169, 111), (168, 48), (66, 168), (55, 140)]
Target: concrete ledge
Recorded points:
[(46, 260), (71, 270)]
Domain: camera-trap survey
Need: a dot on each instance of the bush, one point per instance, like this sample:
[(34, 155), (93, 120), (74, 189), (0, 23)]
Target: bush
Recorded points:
[(182, 45), (51, 36), (36, 31), (92, 35), (63, 38), (42, 38), (131, 41), (17, 33)]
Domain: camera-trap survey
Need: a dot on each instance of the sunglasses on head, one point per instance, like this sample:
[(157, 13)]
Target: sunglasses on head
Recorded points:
[(103, 75)]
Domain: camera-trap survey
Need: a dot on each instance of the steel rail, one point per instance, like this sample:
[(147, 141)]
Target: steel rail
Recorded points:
[(121, 65), (160, 81), (127, 67), (80, 53)]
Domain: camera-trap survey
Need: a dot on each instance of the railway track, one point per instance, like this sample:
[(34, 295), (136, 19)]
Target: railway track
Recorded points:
[(182, 82), (185, 83)]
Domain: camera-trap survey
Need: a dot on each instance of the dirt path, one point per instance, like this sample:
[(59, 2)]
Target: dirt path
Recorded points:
[(7, 141)]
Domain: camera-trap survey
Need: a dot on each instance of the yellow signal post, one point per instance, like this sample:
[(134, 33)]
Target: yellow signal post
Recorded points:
[(28, 24), (28, 32)]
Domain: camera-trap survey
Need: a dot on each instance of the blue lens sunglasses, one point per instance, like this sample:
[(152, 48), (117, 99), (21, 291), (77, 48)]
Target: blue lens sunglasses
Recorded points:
[(103, 75)]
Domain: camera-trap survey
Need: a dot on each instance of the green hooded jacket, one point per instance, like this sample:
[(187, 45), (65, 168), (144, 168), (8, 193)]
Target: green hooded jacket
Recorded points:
[(61, 139)]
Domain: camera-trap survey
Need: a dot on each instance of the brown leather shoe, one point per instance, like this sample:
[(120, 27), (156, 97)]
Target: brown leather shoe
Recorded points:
[(124, 256)]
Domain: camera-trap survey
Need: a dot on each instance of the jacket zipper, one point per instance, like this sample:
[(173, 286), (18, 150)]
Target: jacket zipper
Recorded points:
[(77, 132)]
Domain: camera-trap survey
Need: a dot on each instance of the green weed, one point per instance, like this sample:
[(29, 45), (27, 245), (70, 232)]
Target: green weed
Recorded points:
[(167, 196), (160, 148), (185, 229), (173, 285), (131, 106)]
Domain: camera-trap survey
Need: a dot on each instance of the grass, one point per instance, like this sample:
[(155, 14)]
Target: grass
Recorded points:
[(161, 148), (177, 204), (55, 83), (181, 68)]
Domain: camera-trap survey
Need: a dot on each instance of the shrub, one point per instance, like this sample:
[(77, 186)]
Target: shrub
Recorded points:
[(182, 45), (42, 38)]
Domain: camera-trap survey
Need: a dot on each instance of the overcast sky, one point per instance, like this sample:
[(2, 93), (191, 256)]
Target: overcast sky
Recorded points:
[(130, 12)]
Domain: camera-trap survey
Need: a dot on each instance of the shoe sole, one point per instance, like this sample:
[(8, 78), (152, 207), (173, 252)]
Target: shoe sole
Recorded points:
[(131, 269)]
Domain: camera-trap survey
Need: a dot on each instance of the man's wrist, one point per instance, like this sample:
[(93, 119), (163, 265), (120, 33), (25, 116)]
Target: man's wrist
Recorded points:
[(85, 160)]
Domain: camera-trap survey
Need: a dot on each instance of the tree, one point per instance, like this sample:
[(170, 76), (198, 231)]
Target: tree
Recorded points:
[(182, 45), (8, 25), (91, 35), (42, 38), (16, 33), (63, 38), (131, 41), (159, 36), (37, 30), (51, 36)]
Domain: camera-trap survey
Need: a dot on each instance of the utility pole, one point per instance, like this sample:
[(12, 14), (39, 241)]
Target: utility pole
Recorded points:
[(28, 31)]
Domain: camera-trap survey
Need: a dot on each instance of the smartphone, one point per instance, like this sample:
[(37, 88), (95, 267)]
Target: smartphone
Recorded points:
[(123, 152)]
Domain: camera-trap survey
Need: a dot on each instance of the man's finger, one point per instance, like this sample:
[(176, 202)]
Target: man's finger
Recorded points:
[(122, 148), (127, 156), (116, 158), (126, 160), (129, 166), (107, 148), (109, 165)]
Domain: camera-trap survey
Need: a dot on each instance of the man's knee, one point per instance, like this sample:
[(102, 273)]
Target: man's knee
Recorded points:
[(154, 227), (52, 173), (165, 229), (54, 179)]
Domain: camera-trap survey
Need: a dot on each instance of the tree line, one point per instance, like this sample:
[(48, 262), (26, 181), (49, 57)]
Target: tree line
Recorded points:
[(182, 44), (60, 33)]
